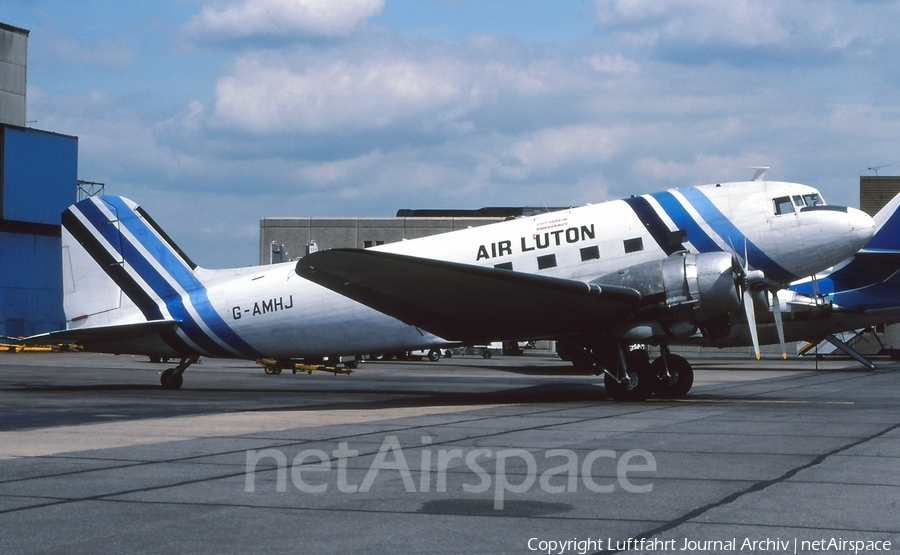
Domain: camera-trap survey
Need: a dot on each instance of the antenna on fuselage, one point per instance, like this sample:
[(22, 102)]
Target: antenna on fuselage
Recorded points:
[(760, 173)]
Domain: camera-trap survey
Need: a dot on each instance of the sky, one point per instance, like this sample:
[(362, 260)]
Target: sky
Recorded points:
[(214, 114)]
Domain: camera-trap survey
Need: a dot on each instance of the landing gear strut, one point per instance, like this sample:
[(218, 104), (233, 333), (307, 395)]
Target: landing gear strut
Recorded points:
[(633, 379), (174, 377)]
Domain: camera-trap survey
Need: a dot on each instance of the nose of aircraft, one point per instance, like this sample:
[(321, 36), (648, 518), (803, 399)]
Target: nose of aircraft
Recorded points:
[(862, 227)]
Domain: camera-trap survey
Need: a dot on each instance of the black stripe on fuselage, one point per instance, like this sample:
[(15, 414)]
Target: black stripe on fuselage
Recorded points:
[(114, 269), (669, 241)]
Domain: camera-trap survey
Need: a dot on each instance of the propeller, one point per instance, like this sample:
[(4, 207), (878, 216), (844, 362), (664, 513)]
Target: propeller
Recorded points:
[(779, 326), (748, 279), (751, 319)]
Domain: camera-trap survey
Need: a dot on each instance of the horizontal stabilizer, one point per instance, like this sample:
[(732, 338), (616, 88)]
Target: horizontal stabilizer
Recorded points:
[(466, 303), (103, 334)]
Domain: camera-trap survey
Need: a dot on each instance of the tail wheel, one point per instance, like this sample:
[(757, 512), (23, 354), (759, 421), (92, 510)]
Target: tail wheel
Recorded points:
[(679, 380), (171, 380), (638, 386)]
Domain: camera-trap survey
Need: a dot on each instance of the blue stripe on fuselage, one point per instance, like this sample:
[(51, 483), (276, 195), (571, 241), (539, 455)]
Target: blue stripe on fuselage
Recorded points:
[(719, 223), (695, 234)]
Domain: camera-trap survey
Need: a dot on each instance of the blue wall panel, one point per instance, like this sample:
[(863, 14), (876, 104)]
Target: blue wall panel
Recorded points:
[(40, 175), (30, 284), (38, 180)]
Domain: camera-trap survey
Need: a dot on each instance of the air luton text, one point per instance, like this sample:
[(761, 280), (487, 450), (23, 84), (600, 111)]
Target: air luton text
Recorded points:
[(537, 241)]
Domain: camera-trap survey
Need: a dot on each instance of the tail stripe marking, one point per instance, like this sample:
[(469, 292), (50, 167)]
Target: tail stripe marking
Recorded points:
[(120, 276), (113, 269), (184, 276), (151, 277)]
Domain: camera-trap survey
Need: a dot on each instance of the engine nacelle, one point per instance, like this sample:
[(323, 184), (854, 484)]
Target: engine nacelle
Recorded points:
[(690, 289)]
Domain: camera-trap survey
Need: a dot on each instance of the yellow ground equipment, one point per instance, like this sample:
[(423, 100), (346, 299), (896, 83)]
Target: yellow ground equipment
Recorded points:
[(273, 366)]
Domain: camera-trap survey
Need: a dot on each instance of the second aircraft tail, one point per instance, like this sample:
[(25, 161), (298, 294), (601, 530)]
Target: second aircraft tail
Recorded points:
[(872, 276)]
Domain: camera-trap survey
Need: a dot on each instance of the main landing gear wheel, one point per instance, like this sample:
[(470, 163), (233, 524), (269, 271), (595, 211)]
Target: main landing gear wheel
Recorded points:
[(638, 386), (677, 382)]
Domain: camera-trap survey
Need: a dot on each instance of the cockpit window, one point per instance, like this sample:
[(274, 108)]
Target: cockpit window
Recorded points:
[(813, 199), (783, 205)]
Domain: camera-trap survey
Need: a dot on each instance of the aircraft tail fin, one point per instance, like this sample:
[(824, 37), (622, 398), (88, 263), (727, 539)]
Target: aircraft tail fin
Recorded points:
[(127, 287), (118, 264), (887, 229)]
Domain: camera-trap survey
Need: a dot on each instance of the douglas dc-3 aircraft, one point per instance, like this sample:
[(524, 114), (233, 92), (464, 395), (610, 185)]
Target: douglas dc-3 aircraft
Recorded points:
[(648, 269)]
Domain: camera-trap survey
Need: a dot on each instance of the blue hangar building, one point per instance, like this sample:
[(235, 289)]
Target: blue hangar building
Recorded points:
[(38, 180)]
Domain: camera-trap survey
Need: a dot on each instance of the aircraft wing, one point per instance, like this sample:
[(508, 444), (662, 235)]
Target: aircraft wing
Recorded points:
[(466, 303), (102, 334)]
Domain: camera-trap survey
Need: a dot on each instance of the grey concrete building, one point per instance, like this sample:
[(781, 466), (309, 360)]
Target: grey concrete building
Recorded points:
[(13, 61), (282, 239)]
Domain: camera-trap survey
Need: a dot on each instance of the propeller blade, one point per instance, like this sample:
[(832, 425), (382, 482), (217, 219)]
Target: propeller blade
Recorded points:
[(779, 325), (751, 320)]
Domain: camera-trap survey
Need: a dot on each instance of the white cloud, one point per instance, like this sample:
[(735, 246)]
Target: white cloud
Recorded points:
[(739, 31), (261, 96), (387, 86), (745, 22), (712, 168), (313, 18), (550, 149), (617, 64)]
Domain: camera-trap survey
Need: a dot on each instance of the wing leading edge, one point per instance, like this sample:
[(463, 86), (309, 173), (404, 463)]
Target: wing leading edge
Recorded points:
[(466, 303)]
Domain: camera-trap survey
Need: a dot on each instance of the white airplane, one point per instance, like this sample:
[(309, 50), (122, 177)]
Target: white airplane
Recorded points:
[(648, 269)]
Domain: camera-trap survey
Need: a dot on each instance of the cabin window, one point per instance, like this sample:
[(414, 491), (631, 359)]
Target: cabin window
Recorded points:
[(634, 245), (783, 205), (546, 261), (590, 253), (504, 266)]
